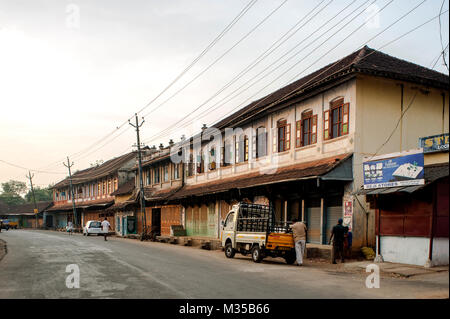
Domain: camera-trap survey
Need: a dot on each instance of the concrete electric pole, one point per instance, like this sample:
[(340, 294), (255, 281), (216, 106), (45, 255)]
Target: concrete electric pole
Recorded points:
[(68, 165), (36, 211), (141, 181)]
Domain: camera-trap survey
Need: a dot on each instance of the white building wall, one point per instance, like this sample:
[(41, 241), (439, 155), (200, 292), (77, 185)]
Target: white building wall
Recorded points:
[(440, 251), (405, 250)]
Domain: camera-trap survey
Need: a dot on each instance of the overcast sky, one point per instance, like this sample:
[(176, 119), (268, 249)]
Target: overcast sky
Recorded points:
[(73, 71)]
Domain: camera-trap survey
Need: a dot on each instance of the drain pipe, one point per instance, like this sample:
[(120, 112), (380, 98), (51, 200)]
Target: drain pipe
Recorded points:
[(378, 258)]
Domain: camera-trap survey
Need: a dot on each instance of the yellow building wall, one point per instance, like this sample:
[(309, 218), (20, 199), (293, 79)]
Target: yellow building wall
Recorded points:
[(378, 113)]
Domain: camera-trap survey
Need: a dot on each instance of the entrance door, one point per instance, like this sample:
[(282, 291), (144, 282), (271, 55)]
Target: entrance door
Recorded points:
[(156, 221), (333, 211), (49, 221), (312, 216)]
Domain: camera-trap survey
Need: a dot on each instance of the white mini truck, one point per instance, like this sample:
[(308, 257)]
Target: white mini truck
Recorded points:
[(251, 228)]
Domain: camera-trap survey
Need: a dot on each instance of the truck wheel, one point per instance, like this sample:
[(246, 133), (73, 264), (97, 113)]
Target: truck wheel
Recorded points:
[(257, 254), (229, 250), (290, 258)]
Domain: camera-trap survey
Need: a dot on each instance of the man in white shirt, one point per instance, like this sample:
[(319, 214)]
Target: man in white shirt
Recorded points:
[(105, 226)]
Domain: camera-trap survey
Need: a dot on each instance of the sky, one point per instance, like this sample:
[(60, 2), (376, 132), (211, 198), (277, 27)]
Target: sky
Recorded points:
[(73, 72)]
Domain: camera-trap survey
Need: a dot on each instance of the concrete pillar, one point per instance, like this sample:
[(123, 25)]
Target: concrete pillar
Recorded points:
[(303, 210)]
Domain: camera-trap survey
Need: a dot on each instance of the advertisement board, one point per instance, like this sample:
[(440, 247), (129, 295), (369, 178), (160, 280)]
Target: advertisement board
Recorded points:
[(435, 143), (396, 171)]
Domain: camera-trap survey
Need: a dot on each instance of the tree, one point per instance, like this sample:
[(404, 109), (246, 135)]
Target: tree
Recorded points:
[(42, 194), (12, 192)]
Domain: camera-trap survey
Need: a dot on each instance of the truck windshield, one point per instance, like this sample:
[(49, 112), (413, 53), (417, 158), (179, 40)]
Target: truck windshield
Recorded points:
[(229, 223)]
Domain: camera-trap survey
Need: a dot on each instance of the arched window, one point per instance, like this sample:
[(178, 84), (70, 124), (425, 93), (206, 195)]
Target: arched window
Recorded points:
[(283, 135), (242, 148), (260, 143)]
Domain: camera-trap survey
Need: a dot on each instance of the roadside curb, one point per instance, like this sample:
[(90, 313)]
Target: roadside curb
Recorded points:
[(3, 249)]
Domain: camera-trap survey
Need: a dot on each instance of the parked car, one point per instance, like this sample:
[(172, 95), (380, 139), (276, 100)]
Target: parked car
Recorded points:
[(93, 227)]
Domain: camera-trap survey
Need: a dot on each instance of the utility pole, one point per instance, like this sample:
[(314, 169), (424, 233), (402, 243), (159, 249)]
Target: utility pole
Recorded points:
[(141, 181), (36, 211), (68, 165)]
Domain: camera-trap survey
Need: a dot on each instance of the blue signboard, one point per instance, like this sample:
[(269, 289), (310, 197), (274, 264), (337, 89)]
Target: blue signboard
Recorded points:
[(394, 172), (435, 143)]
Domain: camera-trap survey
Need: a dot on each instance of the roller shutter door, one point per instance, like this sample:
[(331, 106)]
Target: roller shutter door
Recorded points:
[(313, 224), (333, 213)]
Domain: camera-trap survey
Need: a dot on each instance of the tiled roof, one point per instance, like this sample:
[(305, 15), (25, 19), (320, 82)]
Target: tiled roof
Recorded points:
[(152, 194), (102, 170), (283, 174), (28, 209), (68, 206), (364, 61), (126, 188)]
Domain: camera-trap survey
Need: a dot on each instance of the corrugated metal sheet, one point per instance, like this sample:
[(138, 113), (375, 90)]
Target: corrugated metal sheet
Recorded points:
[(333, 213), (313, 223)]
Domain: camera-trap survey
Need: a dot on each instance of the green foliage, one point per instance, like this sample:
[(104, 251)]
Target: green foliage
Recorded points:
[(12, 192), (41, 194)]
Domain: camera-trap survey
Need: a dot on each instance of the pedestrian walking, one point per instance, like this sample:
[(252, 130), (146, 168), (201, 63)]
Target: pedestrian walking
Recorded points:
[(105, 226), (338, 235), (70, 227), (299, 231)]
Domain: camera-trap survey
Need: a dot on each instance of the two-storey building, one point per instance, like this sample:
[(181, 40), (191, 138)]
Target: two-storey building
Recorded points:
[(92, 192)]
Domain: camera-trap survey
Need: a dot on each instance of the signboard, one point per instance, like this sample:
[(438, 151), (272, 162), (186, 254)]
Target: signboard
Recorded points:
[(348, 213), (435, 143), (397, 171), (36, 211)]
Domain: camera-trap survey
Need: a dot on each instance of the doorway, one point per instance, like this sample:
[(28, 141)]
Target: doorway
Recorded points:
[(156, 221)]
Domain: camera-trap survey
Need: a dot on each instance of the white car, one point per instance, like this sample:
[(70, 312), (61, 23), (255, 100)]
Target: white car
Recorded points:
[(93, 227)]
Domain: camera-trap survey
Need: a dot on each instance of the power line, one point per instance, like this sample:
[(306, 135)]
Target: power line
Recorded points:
[(254, 63), (220, 57), (249, 5), (440, 35), (29, 169)]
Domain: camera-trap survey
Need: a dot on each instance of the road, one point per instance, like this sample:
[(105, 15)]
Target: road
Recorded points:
[(35, 267)]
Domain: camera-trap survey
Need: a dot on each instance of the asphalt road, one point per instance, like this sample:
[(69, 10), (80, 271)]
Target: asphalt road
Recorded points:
[(35, 267)]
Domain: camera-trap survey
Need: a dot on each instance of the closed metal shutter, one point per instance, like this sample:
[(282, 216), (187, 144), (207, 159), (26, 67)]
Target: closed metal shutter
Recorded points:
[(333, 213), (313, 224)]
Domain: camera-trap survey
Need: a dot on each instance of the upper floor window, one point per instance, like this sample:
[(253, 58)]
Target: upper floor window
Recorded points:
[(336, 120), (212, 158), (176, 171), (282, 138), (148, 177), (190, 166), (260, 143), (166, 173), (242, 149), (156, 175), (200, 163), (227, 153), (306, 129)]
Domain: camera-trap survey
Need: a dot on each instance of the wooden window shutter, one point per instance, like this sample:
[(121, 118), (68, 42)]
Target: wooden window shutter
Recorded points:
[(326, 125), (298, 134), (254, 146), (288, 137), (274, 140), (236, 150), (314, 130), (222, 156), (345, 118)]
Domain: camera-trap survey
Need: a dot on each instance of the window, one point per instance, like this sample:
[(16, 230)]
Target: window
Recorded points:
[(115, 184), (306, 130), (227, 153), (336, 120), (212, 159), (284, 136), (260, 143), (229, 223), (147, 179), (176, 171), (156, 175), (242, 149), (190, 166), (166, 173), (200, 163), (104, 188)]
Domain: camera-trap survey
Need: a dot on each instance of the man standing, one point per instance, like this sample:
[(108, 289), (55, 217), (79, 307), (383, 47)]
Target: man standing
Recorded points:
[(106, 225), (337, 235), (70, 227), (299, 232)]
